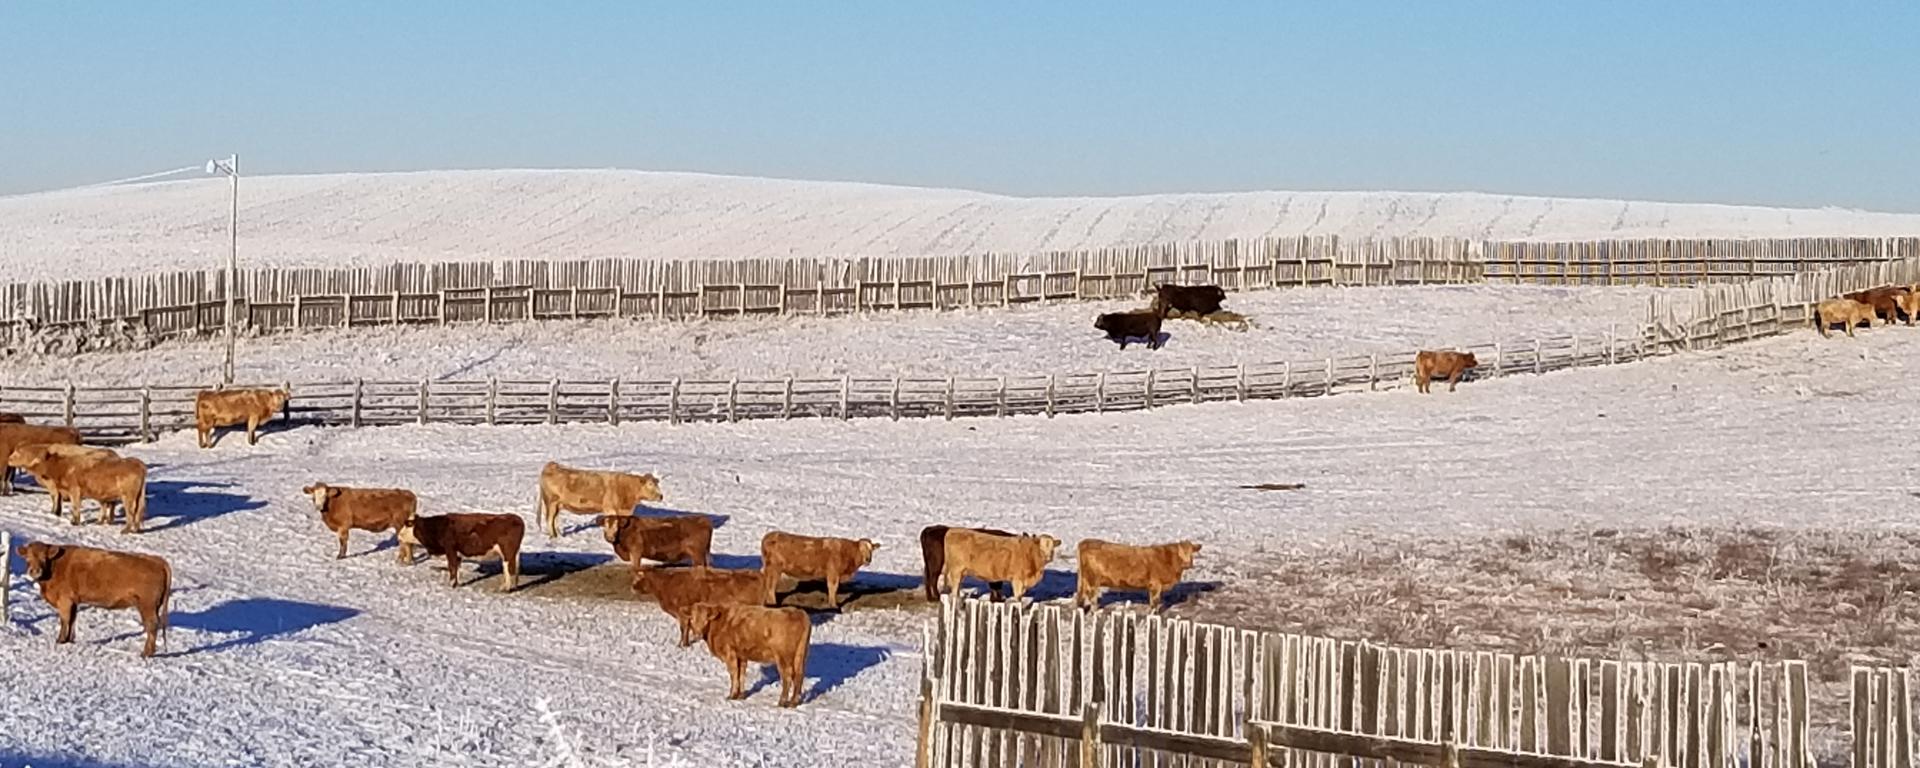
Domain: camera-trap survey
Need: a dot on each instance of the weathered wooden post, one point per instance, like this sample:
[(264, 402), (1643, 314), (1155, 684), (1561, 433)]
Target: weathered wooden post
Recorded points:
[(1090, 735), (553, 400), (1194, 380), (423, 402), (673, 402), (1100, 394), (66, 405), (923, 756), (1240, 383), (1052, 378), (949, 397), (846, 393), (493, 395), (353, 412), (733, 399), (1000, 398), (146, 418), (6, 573), (1151, 375), (893, 399), (1536, 356), (613, 402), (786, 399)]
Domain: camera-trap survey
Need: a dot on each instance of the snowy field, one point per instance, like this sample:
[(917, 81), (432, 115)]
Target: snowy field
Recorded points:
[(1291, 324), (359, 219), (281, 656)]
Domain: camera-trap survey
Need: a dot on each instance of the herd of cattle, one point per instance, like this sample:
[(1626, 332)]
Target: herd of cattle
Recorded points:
[(736, 612), (1886, 304)]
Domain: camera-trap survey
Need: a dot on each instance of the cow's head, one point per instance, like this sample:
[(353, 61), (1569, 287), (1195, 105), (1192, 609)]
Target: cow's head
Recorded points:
[(406, 534), (1185, 550), (1047, 546), (27, 457), (650, 488), (320, 493), (700, 617), (277, 398), (866, 548), (1467, 360), (1104, 322), (610, 526), (644, 579), (39, 557)]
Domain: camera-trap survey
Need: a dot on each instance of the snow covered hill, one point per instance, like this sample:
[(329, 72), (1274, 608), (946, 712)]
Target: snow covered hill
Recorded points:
[(349, 219)]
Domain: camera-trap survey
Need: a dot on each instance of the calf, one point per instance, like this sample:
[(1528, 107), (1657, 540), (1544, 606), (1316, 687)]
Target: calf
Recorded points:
[(1201, 300), (1429, 365), (470, 534), (1886, 301), (345, 509), (811, 557), (1122, 326), (53, 478), (1845, 311), (215, 408), (592, 492), (119, 481), (933, 548), (1104, 564), (1021, 560), (71, 576), (12, 436), (663, 539), (678, 589), (737, 634)]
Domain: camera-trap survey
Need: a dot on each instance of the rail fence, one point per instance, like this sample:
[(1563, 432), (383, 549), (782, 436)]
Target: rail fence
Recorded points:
[(1047, 685), (1712, 316), (142, 412), (137, 311)]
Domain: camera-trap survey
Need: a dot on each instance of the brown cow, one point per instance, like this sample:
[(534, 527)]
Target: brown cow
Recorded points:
[(71, 576), (933, 549), (592, 492), (1910, 303), (1845, 311), (668, 539), (213, 409), (73, 456), (811, 557), (737, 634), (345, 509), (1104, 564), (1886, 301), (1447, 365), (1018, 559), (118, 481), (678, 589), (12, 436), (470, 534)]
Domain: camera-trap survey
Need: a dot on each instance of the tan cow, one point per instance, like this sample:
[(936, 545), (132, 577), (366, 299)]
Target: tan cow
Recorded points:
[(71, 576), (811, 557), (74, 456), (669, 539), (1104, 564), (737, 634), (1845, 311), (1020, 560), (121, 481), (213, 409), (345, 509), (678, 589), (12, 436), (1429, 365), (592, 492)]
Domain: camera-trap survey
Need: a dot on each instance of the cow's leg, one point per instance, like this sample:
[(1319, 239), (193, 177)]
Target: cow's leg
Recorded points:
[(149, 621), (769, 579), (791, 679), (1154, 593), (74, 510), (510, 570), (994, 590), (406, 550), (737, 670), (833, 591), (686, 633), (6, 482), (1085, 592), (340, 553), (205, 432), (65, 610), (453, 567), (954, 577), (253, 430), (53, 495), (1453, 382)]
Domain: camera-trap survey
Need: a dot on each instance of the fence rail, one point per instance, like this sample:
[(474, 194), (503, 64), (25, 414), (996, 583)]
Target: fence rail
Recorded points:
[(1716, 315), (135, 311), (1047, 685), (142, 412)]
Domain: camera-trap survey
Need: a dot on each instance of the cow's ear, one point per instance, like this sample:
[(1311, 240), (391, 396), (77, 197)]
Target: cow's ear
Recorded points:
[(332, 492)]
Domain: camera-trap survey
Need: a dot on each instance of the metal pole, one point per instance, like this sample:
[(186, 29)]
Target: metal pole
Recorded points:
[(233, 263)]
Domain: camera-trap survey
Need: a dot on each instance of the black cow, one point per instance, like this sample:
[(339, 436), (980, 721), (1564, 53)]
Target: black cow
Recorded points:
[(1140, 323), (1200, 299)]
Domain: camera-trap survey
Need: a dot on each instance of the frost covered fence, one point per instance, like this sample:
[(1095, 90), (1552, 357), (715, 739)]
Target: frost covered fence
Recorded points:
[(137, 413), (1050, 685), (1881, 721), (1716, 315), (1682, 262)]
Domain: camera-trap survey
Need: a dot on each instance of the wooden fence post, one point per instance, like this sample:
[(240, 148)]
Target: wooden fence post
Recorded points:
[(949, 398), (1100, 394), (733, 399), (1536, 356), (923, 754), (1090, 735), (673, 402), (1329, 376), (846, 393), (1373, 372), (1286, 378), (66, 405), (1151, 374), (1051, 379), (146, 419), (1257, 745), (613, 402), (786, 399), (1499, 360), (553, 400), (893, 400), (493, 395), (1610, 354), (1000, 398), (6, 574), (1194, 379), (395, 320), (353, 416), (1240, 383), (423, 401)]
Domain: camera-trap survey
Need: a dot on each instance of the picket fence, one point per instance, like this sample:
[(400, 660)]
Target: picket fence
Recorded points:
[(1882, 717), (142, 412), (1011, 684), (1716, 315), (137, 311)]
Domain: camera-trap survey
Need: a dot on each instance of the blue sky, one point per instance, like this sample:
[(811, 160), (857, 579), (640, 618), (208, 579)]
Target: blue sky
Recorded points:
[(1747, 102)]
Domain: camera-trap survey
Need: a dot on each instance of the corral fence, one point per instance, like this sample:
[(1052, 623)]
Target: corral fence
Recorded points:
[(137, 311), (1716, 315), (1007, 684), (142, 412)]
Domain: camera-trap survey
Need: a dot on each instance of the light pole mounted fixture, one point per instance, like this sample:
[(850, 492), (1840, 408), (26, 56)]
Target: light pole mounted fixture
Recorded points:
[(230, 167)]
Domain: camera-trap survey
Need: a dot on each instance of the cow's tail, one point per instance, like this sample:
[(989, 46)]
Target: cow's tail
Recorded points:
[(166, 602)]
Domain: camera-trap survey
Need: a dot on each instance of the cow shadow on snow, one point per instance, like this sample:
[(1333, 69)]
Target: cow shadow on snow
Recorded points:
[(1180, 593), (10, 757), (592, 522), (1159, 339), (829, 666), (182, 502), (251, 621)]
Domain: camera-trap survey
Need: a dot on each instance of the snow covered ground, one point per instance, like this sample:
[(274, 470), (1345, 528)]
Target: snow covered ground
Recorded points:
[(282, 656), (1291, 324), (357, 219)]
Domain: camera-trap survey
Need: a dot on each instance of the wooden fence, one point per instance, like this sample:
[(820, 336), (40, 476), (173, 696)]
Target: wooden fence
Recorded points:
[(1716, 315), (1047, 685), (131, 413), (1882, 718), (136, 311)]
